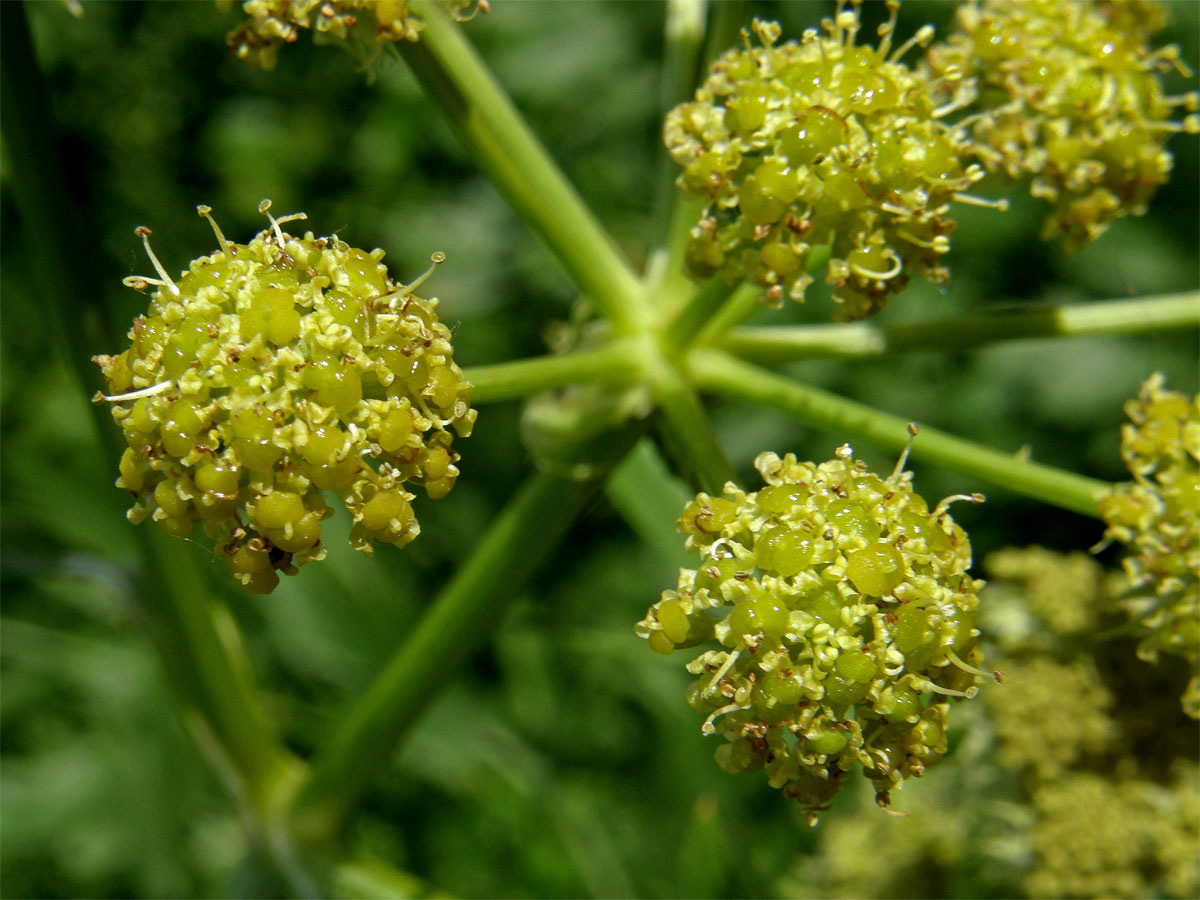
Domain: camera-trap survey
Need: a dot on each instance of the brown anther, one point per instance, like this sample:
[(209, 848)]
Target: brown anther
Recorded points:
[(797, 226), (142, 231)]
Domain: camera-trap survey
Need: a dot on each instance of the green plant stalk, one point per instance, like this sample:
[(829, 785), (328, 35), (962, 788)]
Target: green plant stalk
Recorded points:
[(782, 344), (198, 641), (463, 616), (725, 374), (615, 363), (683, 38), (678, 211), (510, 155), (694, 316), (688, 430)]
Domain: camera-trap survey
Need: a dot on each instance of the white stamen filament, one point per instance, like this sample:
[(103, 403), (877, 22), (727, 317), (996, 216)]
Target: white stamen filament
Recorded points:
[(206, 212), (945, 504), (138, 394), (896, 269), (144, 233), (721, 672), (436, 260)]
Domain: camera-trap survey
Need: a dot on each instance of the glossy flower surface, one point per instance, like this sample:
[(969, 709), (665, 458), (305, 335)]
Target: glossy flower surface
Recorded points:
[(1069, 95), (845, 616), (821, 141), (275, 371)]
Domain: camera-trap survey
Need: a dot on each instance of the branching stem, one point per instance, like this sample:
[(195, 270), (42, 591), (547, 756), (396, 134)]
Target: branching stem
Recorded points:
[(727, 375), (508, 152), (783, 344)]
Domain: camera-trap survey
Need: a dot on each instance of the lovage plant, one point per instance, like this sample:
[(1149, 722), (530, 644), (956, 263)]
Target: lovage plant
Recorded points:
[(287, 395)]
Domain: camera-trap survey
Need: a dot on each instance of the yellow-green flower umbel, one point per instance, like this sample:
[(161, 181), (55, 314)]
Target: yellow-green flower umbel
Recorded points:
[(846, 618), (272, 372), (1069, 95), (795, 145), (363, 26), (1157, 518)]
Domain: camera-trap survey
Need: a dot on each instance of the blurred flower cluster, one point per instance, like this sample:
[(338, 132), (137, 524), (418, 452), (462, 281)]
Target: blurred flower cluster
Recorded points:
[(360, 25), (1156, 517)]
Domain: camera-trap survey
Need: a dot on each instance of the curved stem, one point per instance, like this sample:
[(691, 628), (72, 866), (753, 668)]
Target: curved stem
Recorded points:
[(864, 339), (695, 315), (678, 211), (507, 151), (727, 375), (614, 362)]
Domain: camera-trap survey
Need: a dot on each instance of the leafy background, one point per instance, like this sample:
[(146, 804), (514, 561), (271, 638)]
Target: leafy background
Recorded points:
[(562, 761)]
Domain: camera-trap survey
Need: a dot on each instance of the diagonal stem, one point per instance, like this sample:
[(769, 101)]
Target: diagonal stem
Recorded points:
[(463, 617), (782, 344), (612, 363), (724, 374), (514, 160)]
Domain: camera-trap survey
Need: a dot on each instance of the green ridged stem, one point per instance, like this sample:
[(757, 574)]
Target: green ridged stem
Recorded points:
[(782, 344), (694, 316), (724, 374), (511, 156), (683, 38)]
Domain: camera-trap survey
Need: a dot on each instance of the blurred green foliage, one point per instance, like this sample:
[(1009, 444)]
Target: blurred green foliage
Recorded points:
[(563, 761)]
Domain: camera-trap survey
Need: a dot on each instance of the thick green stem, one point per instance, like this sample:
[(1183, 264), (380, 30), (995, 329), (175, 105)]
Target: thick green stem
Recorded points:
[(464, 616), (507, 151), (694, 316), (688, 431), (198, 640), (863, 339), (613, 363), (679, 211), (727, 375)]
